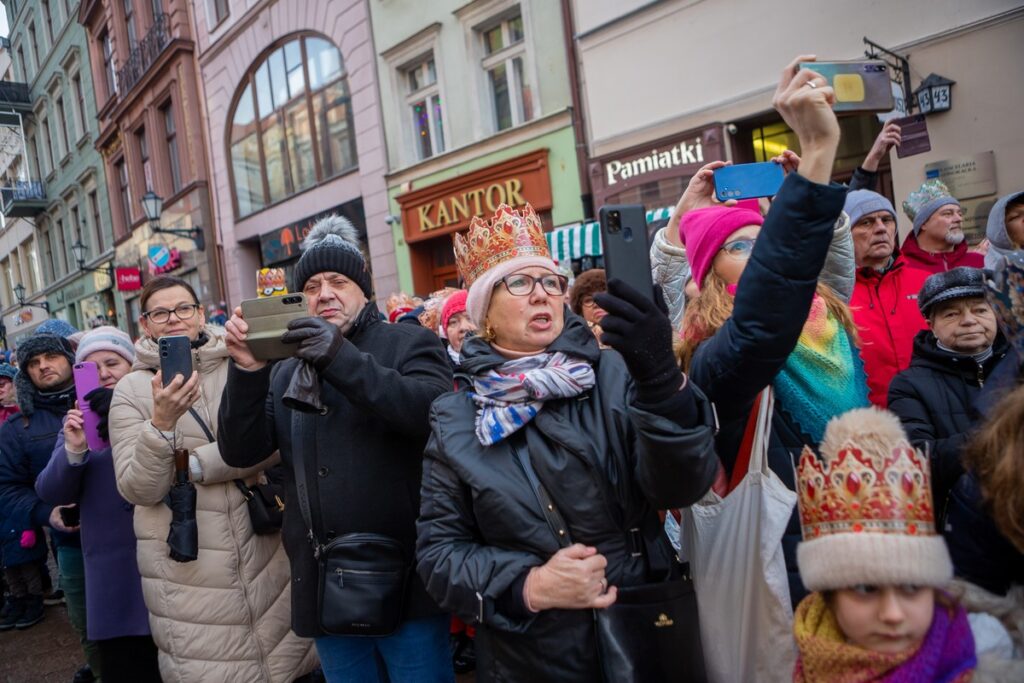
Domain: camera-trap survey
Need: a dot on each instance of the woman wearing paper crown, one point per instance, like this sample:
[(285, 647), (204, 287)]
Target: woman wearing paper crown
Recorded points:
[(606, 438), (875, 563)]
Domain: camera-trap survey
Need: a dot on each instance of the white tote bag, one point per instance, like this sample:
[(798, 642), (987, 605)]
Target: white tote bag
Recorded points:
[(734, 546)]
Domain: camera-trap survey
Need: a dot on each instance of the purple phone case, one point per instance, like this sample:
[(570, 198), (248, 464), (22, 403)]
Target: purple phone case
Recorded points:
[(87, 378)]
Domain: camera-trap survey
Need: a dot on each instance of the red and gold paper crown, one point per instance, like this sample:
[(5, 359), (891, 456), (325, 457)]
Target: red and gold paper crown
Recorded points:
[(861, 492), (509, 234)]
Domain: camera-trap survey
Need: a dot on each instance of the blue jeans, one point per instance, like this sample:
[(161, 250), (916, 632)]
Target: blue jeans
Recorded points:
[(416, 653)]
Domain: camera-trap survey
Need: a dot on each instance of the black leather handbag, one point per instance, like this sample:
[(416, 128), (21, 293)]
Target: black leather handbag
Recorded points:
[(364, 577), (652, 632)]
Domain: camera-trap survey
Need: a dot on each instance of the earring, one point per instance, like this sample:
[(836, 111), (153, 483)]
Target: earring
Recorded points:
[(488, 334)]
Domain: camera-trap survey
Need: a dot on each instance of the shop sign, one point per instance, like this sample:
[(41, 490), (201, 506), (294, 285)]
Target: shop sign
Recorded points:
[(282, 244), (71, 293), (128, 279), (163, 259), (685, 153), (966, 177), (450, 205)]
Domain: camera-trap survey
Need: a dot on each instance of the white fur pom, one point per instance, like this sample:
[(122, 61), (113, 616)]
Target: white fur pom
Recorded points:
[(331, 228)]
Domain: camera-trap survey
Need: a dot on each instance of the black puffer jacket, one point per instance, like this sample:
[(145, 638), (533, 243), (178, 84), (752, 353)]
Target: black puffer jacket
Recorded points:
[(365, 473), (934, 399), (609, 465), (772, 303)]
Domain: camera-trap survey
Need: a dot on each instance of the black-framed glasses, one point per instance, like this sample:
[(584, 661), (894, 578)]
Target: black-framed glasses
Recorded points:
[(162, 315), (520, 284), (741, 248)]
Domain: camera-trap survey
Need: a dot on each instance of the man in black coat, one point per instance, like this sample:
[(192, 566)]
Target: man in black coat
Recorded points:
[(934, 397), (351, 410)]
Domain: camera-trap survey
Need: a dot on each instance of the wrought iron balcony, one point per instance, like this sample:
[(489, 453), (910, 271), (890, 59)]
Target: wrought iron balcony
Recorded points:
[(23, 199), (15, 95), (144, 54)]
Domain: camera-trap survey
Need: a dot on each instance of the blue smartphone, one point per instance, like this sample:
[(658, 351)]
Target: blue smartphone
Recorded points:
[(748, 181)]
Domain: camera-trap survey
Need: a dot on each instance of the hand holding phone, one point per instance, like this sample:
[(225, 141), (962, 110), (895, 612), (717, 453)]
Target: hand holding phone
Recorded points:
[(175, 357), (748, 181), (860, 86), (87, 378), (267, 320)]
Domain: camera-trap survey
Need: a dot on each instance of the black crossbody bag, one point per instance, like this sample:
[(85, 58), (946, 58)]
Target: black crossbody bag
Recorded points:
[(264, 501), (364, 577), (652, 632)]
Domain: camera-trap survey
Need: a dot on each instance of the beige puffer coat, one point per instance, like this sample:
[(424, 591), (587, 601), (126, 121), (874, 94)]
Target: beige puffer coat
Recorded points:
[(227, 615)]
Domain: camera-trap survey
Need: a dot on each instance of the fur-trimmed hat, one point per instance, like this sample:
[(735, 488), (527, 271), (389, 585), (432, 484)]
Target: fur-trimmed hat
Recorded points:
[(27, 350), (332, 246), (866, 508)]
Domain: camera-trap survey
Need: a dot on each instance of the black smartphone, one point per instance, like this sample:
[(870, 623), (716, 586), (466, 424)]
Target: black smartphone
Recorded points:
[(70, 516), (627, 253), (175, 358)]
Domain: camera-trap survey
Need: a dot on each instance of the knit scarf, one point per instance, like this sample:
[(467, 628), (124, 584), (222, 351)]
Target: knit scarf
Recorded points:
[(512, 394), (823, 376), (945, 656)]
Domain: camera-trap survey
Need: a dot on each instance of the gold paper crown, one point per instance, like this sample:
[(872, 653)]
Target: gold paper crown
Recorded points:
[(509, 234), (864, 492)]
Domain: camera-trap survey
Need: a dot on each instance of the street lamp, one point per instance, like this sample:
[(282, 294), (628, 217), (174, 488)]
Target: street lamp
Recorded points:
[(79, 250), (934, 94), (19, 294), (153, 206)]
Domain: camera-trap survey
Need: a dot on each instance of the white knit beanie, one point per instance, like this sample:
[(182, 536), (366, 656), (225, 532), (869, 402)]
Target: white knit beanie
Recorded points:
[(105, 338)]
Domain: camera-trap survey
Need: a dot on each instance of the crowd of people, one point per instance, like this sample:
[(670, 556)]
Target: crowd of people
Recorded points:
[(484, 479)]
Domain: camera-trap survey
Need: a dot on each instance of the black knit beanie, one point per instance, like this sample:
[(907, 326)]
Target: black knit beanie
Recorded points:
[(332, 246)]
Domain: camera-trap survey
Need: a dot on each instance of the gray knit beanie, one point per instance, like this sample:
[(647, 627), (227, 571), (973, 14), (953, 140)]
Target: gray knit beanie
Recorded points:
[(332, 246), (860, 203)]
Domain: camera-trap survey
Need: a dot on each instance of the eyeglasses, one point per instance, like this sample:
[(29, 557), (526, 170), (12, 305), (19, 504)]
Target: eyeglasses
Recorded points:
[(588, 301), (740, 249), (520, 284), (162, 315)]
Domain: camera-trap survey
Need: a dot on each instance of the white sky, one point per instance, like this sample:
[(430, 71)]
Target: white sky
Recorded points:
[(3, 19)]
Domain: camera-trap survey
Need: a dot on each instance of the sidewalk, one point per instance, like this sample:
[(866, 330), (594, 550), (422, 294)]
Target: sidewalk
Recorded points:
[(46, 653)]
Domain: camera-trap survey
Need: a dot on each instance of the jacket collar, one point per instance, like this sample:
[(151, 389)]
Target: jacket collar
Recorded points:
[(912, 249), (928, 354), (367, 318), (576, 340)]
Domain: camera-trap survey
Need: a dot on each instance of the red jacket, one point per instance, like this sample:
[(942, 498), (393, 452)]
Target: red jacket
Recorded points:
[(884, 307), (917, 257)]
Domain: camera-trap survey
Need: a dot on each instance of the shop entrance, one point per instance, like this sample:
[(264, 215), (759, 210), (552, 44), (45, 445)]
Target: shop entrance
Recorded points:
[(442, 266)]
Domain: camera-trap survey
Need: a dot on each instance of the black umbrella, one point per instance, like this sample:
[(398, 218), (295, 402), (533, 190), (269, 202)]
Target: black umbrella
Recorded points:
[(183, 538)]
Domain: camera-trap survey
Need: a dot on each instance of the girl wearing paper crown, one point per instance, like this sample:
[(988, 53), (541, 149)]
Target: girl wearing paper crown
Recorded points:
[(607, 438), (876, 565)]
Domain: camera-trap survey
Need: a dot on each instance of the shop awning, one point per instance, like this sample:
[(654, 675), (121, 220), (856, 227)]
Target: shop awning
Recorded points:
[(575, 241)]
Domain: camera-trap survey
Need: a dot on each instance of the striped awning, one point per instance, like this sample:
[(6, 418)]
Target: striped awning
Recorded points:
[(577, 240)]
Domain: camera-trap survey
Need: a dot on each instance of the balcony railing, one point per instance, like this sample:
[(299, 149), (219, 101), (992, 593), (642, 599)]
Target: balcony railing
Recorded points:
[(23, 199), (13, 94), (145, 54)]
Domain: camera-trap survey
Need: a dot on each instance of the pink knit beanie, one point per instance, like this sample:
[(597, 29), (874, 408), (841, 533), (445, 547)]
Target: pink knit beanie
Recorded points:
[(105, 338), (704, 231), (453, 305)]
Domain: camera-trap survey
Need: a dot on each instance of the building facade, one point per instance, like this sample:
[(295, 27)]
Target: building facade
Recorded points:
[(477, 109), (292, 116), (656, 78), (152, 139), (60, 185)]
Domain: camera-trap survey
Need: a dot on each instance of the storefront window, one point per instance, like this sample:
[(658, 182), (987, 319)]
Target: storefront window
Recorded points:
[(277, 148), (857, 135)]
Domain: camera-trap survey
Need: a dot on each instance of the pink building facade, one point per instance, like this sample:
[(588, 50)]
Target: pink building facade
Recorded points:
[(294, 124)]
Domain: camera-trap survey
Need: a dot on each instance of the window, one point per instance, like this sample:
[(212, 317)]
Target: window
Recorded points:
[(143, 145), (129, 22), (34, 170), (292, 124), (507, 76), (51, 265), (52, 156), (170, 133), (47, 21), (76, 85), (45, 157), (22, 64), (97, 227), (32, 44), (217, 10), (157, 7), (77, 227), (108, 64), (424, 101), (61, 246), (125, 192), (62, 124)]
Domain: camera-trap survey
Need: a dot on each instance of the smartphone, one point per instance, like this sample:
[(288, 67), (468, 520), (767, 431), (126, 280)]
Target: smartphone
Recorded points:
[(859, 86), (70, 516), (87, 378), (175, 357), (748, 181), (268, 319), (626, 251)]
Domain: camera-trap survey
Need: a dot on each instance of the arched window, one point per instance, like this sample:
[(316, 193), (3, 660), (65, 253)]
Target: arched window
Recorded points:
[(291, 126)]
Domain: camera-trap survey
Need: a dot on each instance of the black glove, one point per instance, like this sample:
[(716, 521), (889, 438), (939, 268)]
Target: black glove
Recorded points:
[(99, 403), (640, 330), (319, 340)]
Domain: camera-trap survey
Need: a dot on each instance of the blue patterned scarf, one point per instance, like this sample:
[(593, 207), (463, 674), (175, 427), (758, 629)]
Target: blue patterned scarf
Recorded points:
[(512, 394)]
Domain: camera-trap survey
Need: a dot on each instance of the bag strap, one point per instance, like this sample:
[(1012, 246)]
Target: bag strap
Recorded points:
[(742, 464), (302, 480), (547, 505), (242, 486)]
